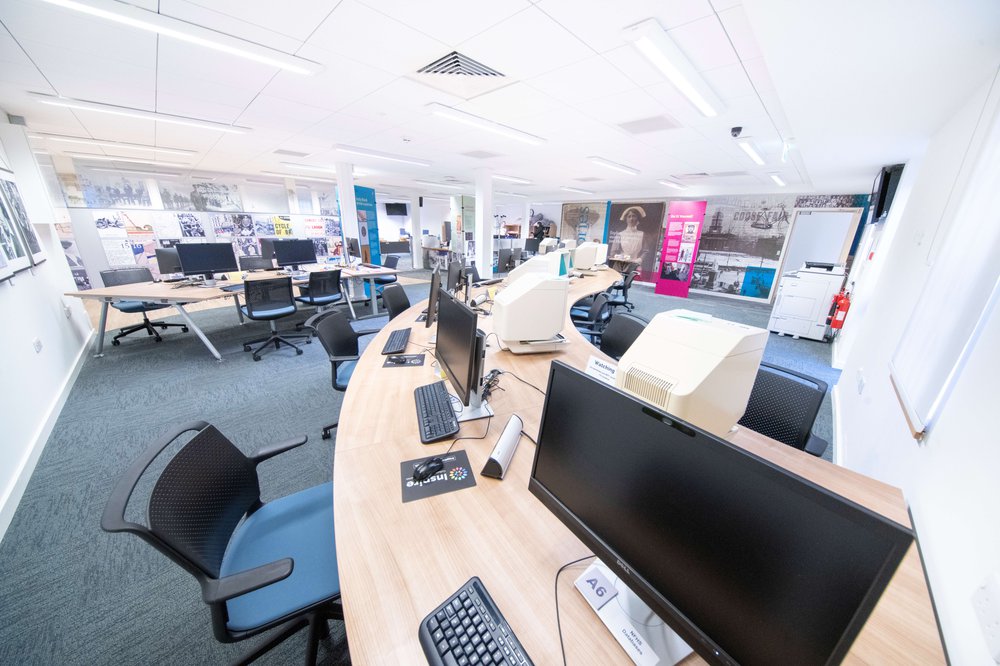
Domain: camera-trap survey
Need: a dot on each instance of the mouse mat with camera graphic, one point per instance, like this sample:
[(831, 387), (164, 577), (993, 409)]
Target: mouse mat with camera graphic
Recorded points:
[(454, 475), (403, 360)]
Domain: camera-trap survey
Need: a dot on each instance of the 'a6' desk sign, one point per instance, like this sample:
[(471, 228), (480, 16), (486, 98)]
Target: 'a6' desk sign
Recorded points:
[(596, 588)]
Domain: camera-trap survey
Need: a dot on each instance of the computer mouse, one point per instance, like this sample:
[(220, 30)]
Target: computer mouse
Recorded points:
[(427, 469), (397, 360)]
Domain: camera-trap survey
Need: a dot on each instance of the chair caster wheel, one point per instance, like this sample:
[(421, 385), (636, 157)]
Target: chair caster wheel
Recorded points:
[(327, 435), (246, 348), (115, 342), (309, 341), (163, 328), (158, 339), (184, 329), (256, 357), (298, 352)]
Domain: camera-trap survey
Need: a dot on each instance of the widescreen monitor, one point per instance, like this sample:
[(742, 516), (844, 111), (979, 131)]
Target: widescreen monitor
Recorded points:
[(294, 253), (746, 561), (207, 258), (432, 299), (167, 260), (459, 350)]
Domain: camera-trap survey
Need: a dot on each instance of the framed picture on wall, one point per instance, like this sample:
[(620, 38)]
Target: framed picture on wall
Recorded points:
[(18, 217), (12, 246)]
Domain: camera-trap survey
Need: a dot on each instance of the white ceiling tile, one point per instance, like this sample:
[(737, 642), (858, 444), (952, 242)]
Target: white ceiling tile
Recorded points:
[(582, 81), (634, 65), (600, 23), (277, 25), (130, 130), (720, 5), (735, 22), (344, 128), (280, 114), (622, 108), (704, 43), (526, 45), (508, 104), (448, 21), (221, 100), (728, 81), (399, 101), (342, 81), (361, 33), (183, 59), (193, 107), (759, 74)]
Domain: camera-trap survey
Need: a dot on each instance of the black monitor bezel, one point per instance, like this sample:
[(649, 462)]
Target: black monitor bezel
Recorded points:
[(456, 269), (674, 617), (164, 257), (221, 267), (466, 329), (288, 247), (432, 298), (531, 244)]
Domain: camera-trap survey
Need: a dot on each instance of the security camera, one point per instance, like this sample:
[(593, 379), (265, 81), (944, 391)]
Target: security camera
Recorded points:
[(736, 131)]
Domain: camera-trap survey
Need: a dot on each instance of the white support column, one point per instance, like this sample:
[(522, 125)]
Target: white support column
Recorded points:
[(416, 232), (526, 221), (484, 222), (348, 207)]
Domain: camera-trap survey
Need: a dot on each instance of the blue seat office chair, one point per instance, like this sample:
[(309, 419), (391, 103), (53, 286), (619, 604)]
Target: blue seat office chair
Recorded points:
[(620, 299), (260, 566), (592, 319), (783, 405), (269, 300), (340, 341), (322, 292), (119, 276), (395, 300)]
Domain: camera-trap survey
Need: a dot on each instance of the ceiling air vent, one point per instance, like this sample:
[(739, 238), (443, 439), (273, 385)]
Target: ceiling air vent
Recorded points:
[(291, 153), (456, 63)]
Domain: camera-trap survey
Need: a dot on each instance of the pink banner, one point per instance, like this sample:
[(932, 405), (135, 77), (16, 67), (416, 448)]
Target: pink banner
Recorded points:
[(680, 247)]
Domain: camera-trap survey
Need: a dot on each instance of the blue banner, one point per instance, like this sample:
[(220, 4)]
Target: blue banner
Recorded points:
[(364, 199)]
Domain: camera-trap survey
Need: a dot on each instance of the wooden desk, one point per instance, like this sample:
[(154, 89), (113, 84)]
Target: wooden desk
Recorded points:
[(369, 274), (398, 561)]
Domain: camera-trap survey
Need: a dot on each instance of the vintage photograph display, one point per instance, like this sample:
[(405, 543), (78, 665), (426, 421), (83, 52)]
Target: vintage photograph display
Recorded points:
[(18, 214), (585, 221), (635, 231), (11, 244), (106, 190)]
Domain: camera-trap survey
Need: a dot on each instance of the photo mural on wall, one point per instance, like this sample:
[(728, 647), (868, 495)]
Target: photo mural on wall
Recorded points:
[(741, 244), (635, 233), (585, 221), (104, 190)]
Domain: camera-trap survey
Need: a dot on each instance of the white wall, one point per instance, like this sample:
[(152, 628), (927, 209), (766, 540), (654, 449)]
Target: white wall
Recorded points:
[(34, 385), (949, 479), (389, 225)]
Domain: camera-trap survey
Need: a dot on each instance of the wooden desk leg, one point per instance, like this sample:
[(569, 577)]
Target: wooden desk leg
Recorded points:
[(101, 326), (194, 327)]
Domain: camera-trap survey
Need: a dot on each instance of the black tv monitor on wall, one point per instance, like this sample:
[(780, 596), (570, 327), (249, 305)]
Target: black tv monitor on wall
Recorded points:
[(747, 562), (398, 209)]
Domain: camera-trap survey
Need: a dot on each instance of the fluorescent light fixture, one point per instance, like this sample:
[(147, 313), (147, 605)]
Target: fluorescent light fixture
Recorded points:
[(675, 185), (652, 41), (777, 179), (577, 190), (258, 181), (434, 184), (324, 169), (143, 19), (484, 124), (785, 147), (113, 144), (751, 150), (511, 179), (297, 177), (512, 194), (160, 174), (112, 158), (84, 105), (364, 152), (608, 164)]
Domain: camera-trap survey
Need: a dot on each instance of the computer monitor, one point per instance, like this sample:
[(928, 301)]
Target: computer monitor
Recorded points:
[(353, 247), (547, 245), (167, 260), (694, 366), (549, 264), (460, 349), (294, 253), (455, 270), (529, 314), (531, 245), (207, 259), (432, 299), (601, 257), (267, 248), (503, 259), (585, 255), (746, 561)]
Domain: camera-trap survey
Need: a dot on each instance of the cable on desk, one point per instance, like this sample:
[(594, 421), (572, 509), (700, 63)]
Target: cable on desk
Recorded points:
[(499, 346), (530, 437), (489, 420), (508, 372), (562, 647)]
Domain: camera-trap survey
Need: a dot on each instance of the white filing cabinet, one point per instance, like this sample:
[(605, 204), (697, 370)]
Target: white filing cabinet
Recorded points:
[(804, 299)]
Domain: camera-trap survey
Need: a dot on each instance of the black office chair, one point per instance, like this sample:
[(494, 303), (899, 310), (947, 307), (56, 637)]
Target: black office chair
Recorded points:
[(340, 341), (255, 263), (323, 292), (620, 299), (620, 333), (260, 566), (503, 259), (391, 261), (395, 300), (783, 405), (119, 276), (592, 320), (268, 300)]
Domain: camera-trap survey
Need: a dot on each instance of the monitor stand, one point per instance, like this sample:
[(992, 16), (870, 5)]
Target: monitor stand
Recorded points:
[(476, 409)]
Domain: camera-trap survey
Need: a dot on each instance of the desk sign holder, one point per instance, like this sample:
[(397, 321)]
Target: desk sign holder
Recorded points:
[(643, 635), (403, 360), (455, 475)]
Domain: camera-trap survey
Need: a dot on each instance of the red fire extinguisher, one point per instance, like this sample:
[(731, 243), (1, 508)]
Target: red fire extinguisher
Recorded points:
[(838, 312)]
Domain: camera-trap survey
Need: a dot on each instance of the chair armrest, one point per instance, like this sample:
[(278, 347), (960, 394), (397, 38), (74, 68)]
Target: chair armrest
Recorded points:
[(343, 359), (371, 331), (223, 589), (816, 445), (280, 447)]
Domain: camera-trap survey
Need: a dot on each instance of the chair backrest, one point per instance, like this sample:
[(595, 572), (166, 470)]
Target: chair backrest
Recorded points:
[(120, 276), (783, 404), (268, 294), (395, 300), (599, 310), (255, 263), (324, 283), (628, 282), (390, 261), (620, 333), (337, 335)]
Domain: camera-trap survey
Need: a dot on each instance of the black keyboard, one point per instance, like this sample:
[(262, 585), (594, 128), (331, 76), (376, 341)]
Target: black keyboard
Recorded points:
[(396, 344), (435, 415), (468, 629)]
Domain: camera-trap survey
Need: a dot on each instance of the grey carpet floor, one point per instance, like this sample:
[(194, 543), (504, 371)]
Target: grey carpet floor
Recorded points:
[(71, 594)]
